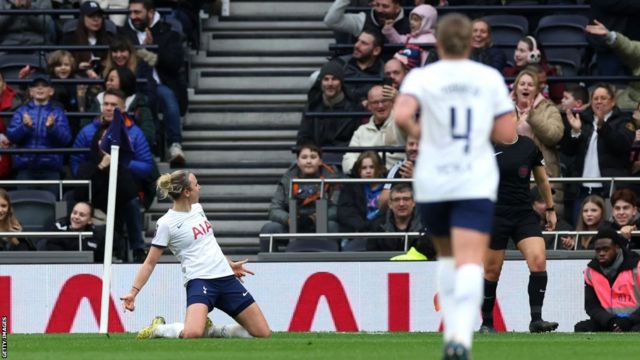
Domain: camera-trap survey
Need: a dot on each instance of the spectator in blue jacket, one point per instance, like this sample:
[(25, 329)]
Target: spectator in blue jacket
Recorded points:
[(138, 169), (39, 124)]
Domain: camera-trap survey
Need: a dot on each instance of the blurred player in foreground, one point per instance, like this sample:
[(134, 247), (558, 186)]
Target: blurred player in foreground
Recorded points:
[(462, 104)]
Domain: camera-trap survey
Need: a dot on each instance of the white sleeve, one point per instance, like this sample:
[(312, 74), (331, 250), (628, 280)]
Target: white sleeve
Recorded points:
[(162, 235), (411, 85), (503, 103), (336, 19)]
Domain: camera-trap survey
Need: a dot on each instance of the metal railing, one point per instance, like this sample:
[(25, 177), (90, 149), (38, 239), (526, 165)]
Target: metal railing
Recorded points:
[(49, 234), (510, 9), (576, 234), (400, 235), (60, 183), (322, 206)]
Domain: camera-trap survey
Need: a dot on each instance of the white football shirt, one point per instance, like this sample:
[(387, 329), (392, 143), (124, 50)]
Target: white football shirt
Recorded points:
[(459, 102), (189, 236)]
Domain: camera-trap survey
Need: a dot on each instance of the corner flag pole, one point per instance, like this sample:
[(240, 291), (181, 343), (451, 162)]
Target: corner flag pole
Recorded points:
[(108, 242)]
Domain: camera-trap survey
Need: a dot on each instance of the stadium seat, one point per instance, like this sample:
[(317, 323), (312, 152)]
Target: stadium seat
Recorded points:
[(507, 29), (568, 67), (10, 64), (563, 28), (35, 209), (312, 245)]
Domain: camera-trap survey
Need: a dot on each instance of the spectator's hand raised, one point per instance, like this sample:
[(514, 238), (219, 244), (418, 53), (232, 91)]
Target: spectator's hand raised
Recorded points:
[(568, 242), (51, 119), (25, 71), (148, 40), (597, 29), (84, 65), (574, 120), (106, 160), (626, 231), (406, 169), (388, 24), (389, 92), (26, 120)]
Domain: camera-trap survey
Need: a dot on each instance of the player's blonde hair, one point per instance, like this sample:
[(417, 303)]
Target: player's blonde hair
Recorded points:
[(173, 184), (454, 34)]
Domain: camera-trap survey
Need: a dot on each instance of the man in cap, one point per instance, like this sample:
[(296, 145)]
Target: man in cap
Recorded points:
[(39, 124), (329, 95), (610, 280)]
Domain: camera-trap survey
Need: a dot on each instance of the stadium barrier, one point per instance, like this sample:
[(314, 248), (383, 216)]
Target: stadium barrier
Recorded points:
[(322, 207), (60, 183), (294, 296), (510, 9)]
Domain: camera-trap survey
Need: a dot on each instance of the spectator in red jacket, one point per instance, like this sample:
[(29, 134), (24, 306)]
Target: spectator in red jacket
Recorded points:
[(8, 102)]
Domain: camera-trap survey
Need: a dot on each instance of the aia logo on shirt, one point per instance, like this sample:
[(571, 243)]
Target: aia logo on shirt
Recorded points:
[(523, 171), (201, 230)]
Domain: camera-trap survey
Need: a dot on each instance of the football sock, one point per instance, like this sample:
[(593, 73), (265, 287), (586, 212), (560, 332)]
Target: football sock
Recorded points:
[(468, 298), (488, 301), (446, 290), (537, 288), (229, 331), (168, 330)]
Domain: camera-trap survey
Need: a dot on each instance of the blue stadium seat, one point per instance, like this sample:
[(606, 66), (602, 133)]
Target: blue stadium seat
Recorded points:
[(10, 64), (35, 209), (507, 29), (563, 28)]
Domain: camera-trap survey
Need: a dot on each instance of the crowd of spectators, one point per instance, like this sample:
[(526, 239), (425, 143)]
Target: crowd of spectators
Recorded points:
[(137, 67), (582, 131)]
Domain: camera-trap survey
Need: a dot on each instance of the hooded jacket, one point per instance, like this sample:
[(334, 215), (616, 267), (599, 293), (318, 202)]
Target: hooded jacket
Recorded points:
[(424, 35), (605, 299), (38, 136)]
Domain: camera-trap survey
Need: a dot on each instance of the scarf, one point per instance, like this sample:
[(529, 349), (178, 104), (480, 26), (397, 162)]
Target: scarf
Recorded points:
[(331, 102), (611, 271)]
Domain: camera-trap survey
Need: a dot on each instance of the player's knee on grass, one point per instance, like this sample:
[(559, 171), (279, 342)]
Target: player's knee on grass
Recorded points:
[(261, 333), (192, 333)]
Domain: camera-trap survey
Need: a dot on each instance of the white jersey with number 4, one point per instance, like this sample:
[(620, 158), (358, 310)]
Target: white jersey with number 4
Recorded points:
[(459, 102), (189, 236)]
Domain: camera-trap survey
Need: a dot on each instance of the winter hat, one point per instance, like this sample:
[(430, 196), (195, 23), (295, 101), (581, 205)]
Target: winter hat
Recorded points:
[(410, 56), (332, 68), (610, 233)]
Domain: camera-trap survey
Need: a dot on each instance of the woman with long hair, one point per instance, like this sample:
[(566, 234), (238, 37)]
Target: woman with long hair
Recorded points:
[(211, 279), (9, 223), (593, 215)]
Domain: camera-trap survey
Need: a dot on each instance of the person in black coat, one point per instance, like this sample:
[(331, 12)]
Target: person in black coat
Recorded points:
[(327, 95), (602, 129), (482, 48)]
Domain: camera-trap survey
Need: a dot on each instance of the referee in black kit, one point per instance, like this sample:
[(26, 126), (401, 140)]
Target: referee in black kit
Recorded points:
[(515, 219)]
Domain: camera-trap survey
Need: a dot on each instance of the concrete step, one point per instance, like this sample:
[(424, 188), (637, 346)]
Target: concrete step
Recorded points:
[(230, 99), (299, 84), (262, 145), (234, 135), (159, 208), (279, 8), (236, 121), (213, 24), (280, 46), (249, 156), (258, 35), (242, 62), (218, 108)]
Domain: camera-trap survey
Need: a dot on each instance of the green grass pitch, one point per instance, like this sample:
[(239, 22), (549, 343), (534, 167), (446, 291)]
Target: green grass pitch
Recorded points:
[(333, 346)]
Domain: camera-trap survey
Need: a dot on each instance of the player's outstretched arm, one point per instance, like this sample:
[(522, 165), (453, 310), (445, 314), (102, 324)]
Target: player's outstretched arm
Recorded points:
[(404, 111), (238, 268), (128, 301)]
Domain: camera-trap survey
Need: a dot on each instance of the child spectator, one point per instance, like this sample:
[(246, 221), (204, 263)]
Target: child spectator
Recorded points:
[(80, 219), (308, 165), (422, 22), (359, 203), (592, 217), (39, 124)]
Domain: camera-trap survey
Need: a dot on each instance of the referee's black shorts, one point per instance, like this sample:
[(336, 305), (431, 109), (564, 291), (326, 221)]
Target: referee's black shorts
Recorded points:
[(515, 224)]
